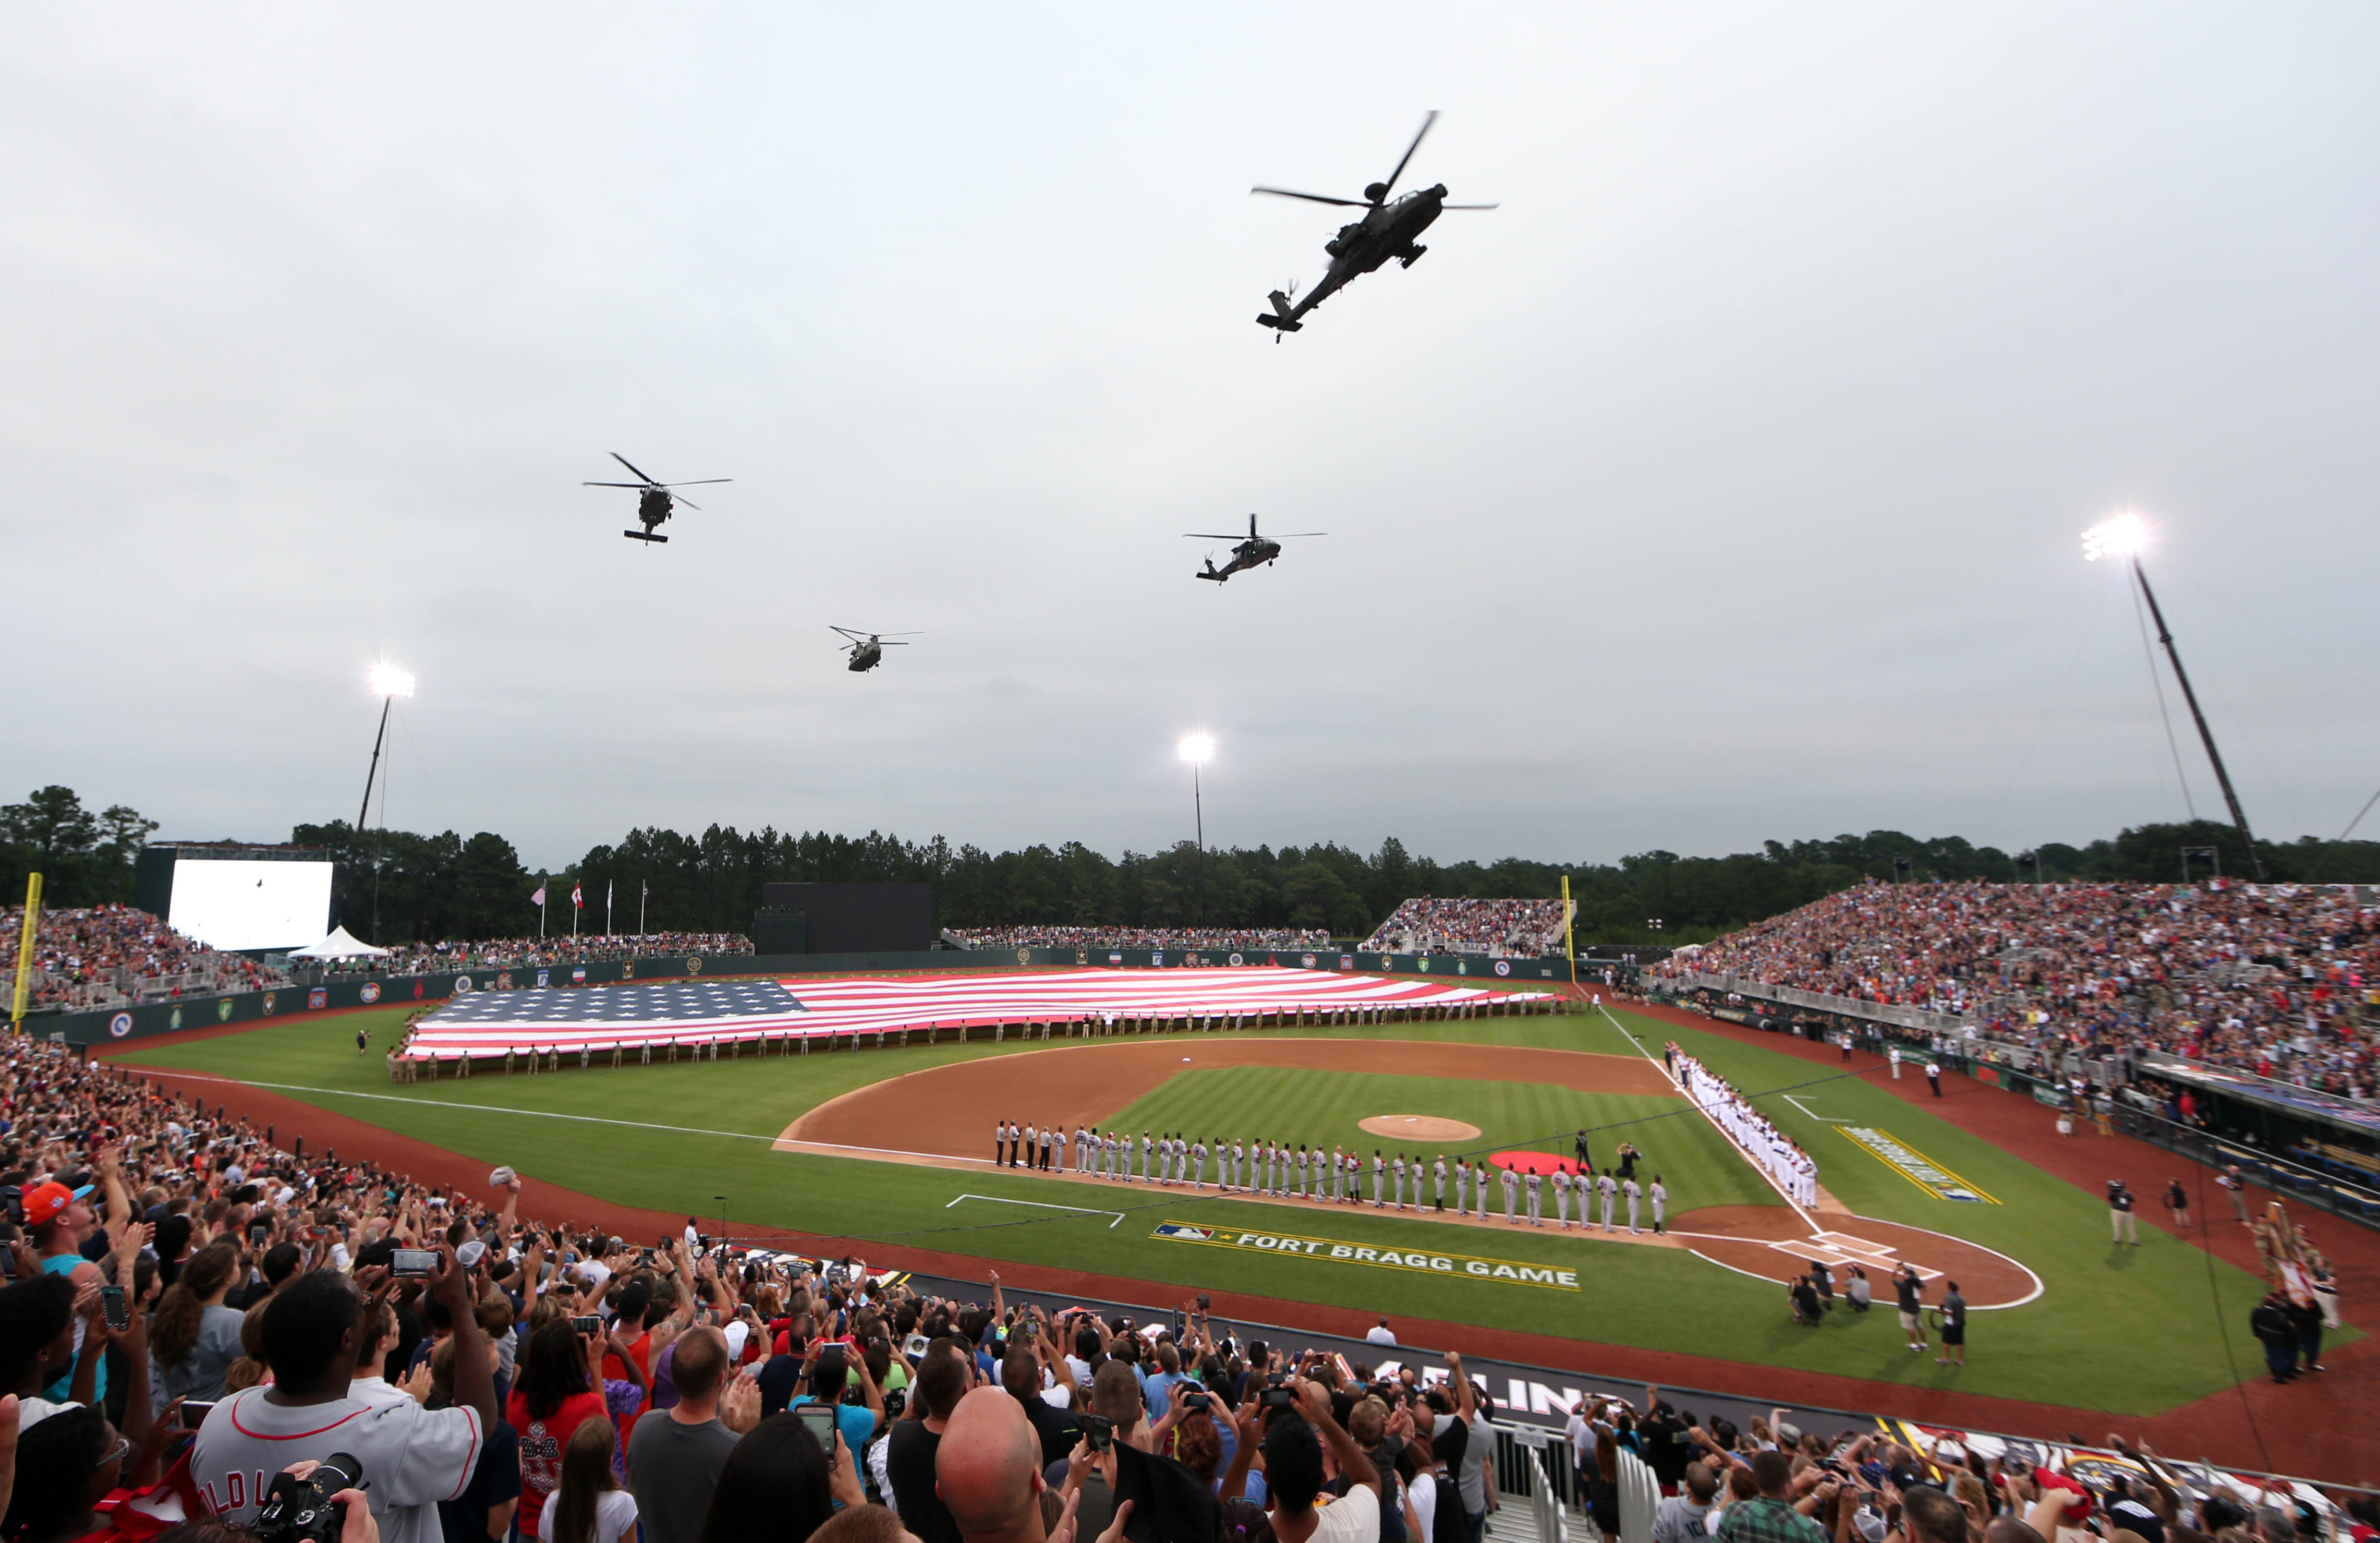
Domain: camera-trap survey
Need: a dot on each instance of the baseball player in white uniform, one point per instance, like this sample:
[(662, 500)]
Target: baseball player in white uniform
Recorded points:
[(1536, 1183), (1437, 1180), (1379, 1170), (1511, 1196), (1610, 1188), (1631, 1189), (1397, 1168), (1562, 1197), (1660, 1201)]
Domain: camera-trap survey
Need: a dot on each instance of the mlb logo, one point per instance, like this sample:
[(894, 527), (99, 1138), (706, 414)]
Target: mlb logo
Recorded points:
[(1186, 1232)]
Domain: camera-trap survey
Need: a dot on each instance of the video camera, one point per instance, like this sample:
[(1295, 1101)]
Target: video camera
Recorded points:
[(301, 1510)]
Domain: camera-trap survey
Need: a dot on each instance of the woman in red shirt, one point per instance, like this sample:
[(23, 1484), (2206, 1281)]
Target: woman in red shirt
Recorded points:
[(551, 1394)]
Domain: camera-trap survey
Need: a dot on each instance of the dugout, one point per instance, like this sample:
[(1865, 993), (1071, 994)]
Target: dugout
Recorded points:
[(845, 919)]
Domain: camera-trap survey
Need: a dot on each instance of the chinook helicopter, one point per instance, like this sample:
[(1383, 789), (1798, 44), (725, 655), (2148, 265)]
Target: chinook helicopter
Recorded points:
[(1385, 231), (868, 648), (654, 500), (1256, 551)]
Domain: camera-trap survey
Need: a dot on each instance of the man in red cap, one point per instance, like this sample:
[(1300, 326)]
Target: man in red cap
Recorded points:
[(55, 1219)]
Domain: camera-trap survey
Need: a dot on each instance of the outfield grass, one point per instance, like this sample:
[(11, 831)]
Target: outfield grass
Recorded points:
[(2129, 1331)]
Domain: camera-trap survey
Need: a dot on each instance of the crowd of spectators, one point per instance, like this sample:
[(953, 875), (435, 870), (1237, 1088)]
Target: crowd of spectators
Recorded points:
[(1171, 939), (104, 957), (2282, 980), (510, 952), (522, 1379), (1501, 929)]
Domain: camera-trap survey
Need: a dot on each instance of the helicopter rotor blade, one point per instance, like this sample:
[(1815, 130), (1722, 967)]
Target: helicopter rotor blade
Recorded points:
[(1210, 535), (685, 502), (1312, 198), (847, 632), (696, 482), (615, 484), (1390, 186), (1471, 206), (1292, 535), (631, 466)]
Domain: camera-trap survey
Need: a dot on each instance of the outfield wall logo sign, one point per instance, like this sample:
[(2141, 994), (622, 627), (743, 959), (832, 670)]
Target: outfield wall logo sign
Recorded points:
[(370, 993), (1503, 966), (1915, 1166), (120, 1024), (317, 998), (1412, 1260)]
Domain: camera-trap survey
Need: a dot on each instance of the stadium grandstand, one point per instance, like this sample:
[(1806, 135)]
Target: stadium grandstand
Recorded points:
[(240, 1217), (104, 957), (444, 958), (2278, 980), (1500, 928), (1188, 939)]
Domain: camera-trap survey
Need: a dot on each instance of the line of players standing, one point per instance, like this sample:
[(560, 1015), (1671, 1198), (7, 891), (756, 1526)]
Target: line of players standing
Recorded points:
[(1267, 1169)]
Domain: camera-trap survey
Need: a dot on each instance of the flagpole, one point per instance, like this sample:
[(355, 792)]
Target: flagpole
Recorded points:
[(607, 908), (642, 890), (540, 912)]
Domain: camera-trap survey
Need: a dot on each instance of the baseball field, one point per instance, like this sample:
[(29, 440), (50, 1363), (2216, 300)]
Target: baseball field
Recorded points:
[(891, 1148)]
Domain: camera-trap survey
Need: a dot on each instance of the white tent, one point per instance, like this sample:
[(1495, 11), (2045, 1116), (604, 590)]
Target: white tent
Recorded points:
[(340, 944)]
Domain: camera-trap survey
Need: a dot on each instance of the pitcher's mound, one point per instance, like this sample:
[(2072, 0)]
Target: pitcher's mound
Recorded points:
[(1420, 1127)]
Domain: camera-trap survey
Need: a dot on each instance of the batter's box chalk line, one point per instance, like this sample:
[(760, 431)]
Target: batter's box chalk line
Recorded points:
[(1042, 1204)]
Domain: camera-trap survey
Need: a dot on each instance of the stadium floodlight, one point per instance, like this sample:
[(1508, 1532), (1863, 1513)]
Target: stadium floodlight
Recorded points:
[(388, 683), (2119, 535), (1198, 749), (2124, 536)]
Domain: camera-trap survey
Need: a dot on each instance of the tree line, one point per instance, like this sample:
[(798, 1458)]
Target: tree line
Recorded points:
[(398, 886)]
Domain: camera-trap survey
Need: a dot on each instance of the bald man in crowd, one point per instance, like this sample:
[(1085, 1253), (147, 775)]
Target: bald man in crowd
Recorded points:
[(988, 1470)]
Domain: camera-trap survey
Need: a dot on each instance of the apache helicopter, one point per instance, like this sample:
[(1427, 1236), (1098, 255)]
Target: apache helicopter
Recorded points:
[(868, 648), (653, 499), (1246, 555), (1385, 230)]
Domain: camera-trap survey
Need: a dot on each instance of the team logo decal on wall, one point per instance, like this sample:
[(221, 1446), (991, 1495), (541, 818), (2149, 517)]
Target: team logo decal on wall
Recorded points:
[(318, 998), (120, 1024), (370, 993)]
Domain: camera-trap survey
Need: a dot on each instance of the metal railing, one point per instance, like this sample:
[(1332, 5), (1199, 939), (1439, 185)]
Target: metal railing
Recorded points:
[(1640, 1499)]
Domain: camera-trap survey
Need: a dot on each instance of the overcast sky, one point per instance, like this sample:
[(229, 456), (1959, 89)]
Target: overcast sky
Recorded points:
[(1723, 484)]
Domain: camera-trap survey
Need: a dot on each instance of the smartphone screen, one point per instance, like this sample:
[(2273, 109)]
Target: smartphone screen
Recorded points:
[(412, 1261), (819, 1418), (111, 1302)]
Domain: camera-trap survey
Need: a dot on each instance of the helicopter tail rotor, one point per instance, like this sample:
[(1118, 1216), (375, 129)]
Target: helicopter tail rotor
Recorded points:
[(1283, 318)]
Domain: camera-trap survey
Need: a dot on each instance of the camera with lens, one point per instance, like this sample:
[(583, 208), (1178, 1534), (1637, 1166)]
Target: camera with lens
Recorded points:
[(301, 1510)]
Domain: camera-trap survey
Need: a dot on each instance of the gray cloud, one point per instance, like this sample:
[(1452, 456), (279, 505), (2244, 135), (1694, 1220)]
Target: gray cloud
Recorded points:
[(1723, 484)]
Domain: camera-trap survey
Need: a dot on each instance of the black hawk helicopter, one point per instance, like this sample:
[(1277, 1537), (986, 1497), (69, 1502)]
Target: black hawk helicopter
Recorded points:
[(868, 648), (1385, 230), (654, 500), (1257, 550)]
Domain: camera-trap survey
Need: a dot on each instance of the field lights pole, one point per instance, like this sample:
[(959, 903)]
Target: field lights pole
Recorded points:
[(388, 683), (1197, 750), (2125, 536)]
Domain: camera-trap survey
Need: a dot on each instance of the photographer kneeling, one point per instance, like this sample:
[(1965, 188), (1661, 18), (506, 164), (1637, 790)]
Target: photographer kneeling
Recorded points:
[(411, 1457)]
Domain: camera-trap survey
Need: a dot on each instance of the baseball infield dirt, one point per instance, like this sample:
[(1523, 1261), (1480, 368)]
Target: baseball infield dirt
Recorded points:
[(942, 1109)]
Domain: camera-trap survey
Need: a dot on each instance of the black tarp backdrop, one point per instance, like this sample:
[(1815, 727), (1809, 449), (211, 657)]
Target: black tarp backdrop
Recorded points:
[(858, 918)]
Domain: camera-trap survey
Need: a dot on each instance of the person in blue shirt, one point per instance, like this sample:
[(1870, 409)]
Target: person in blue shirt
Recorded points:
[(829, 1370), (1156, 1388)]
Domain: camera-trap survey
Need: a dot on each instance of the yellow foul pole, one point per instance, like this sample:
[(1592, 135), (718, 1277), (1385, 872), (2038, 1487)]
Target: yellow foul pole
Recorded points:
[(25, 952), (1570, 932)]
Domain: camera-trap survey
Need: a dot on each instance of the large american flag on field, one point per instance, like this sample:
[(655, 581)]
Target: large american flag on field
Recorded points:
[(600, 1017)]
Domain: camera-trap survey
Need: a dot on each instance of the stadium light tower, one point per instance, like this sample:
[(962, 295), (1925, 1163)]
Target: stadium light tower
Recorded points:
[(2124, 536), (388, 683), (1198, 750)]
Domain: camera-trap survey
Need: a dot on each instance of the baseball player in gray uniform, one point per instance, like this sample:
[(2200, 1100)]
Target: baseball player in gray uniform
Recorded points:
[(1511, 1196), (1536, 1183), (1610, 1188)]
